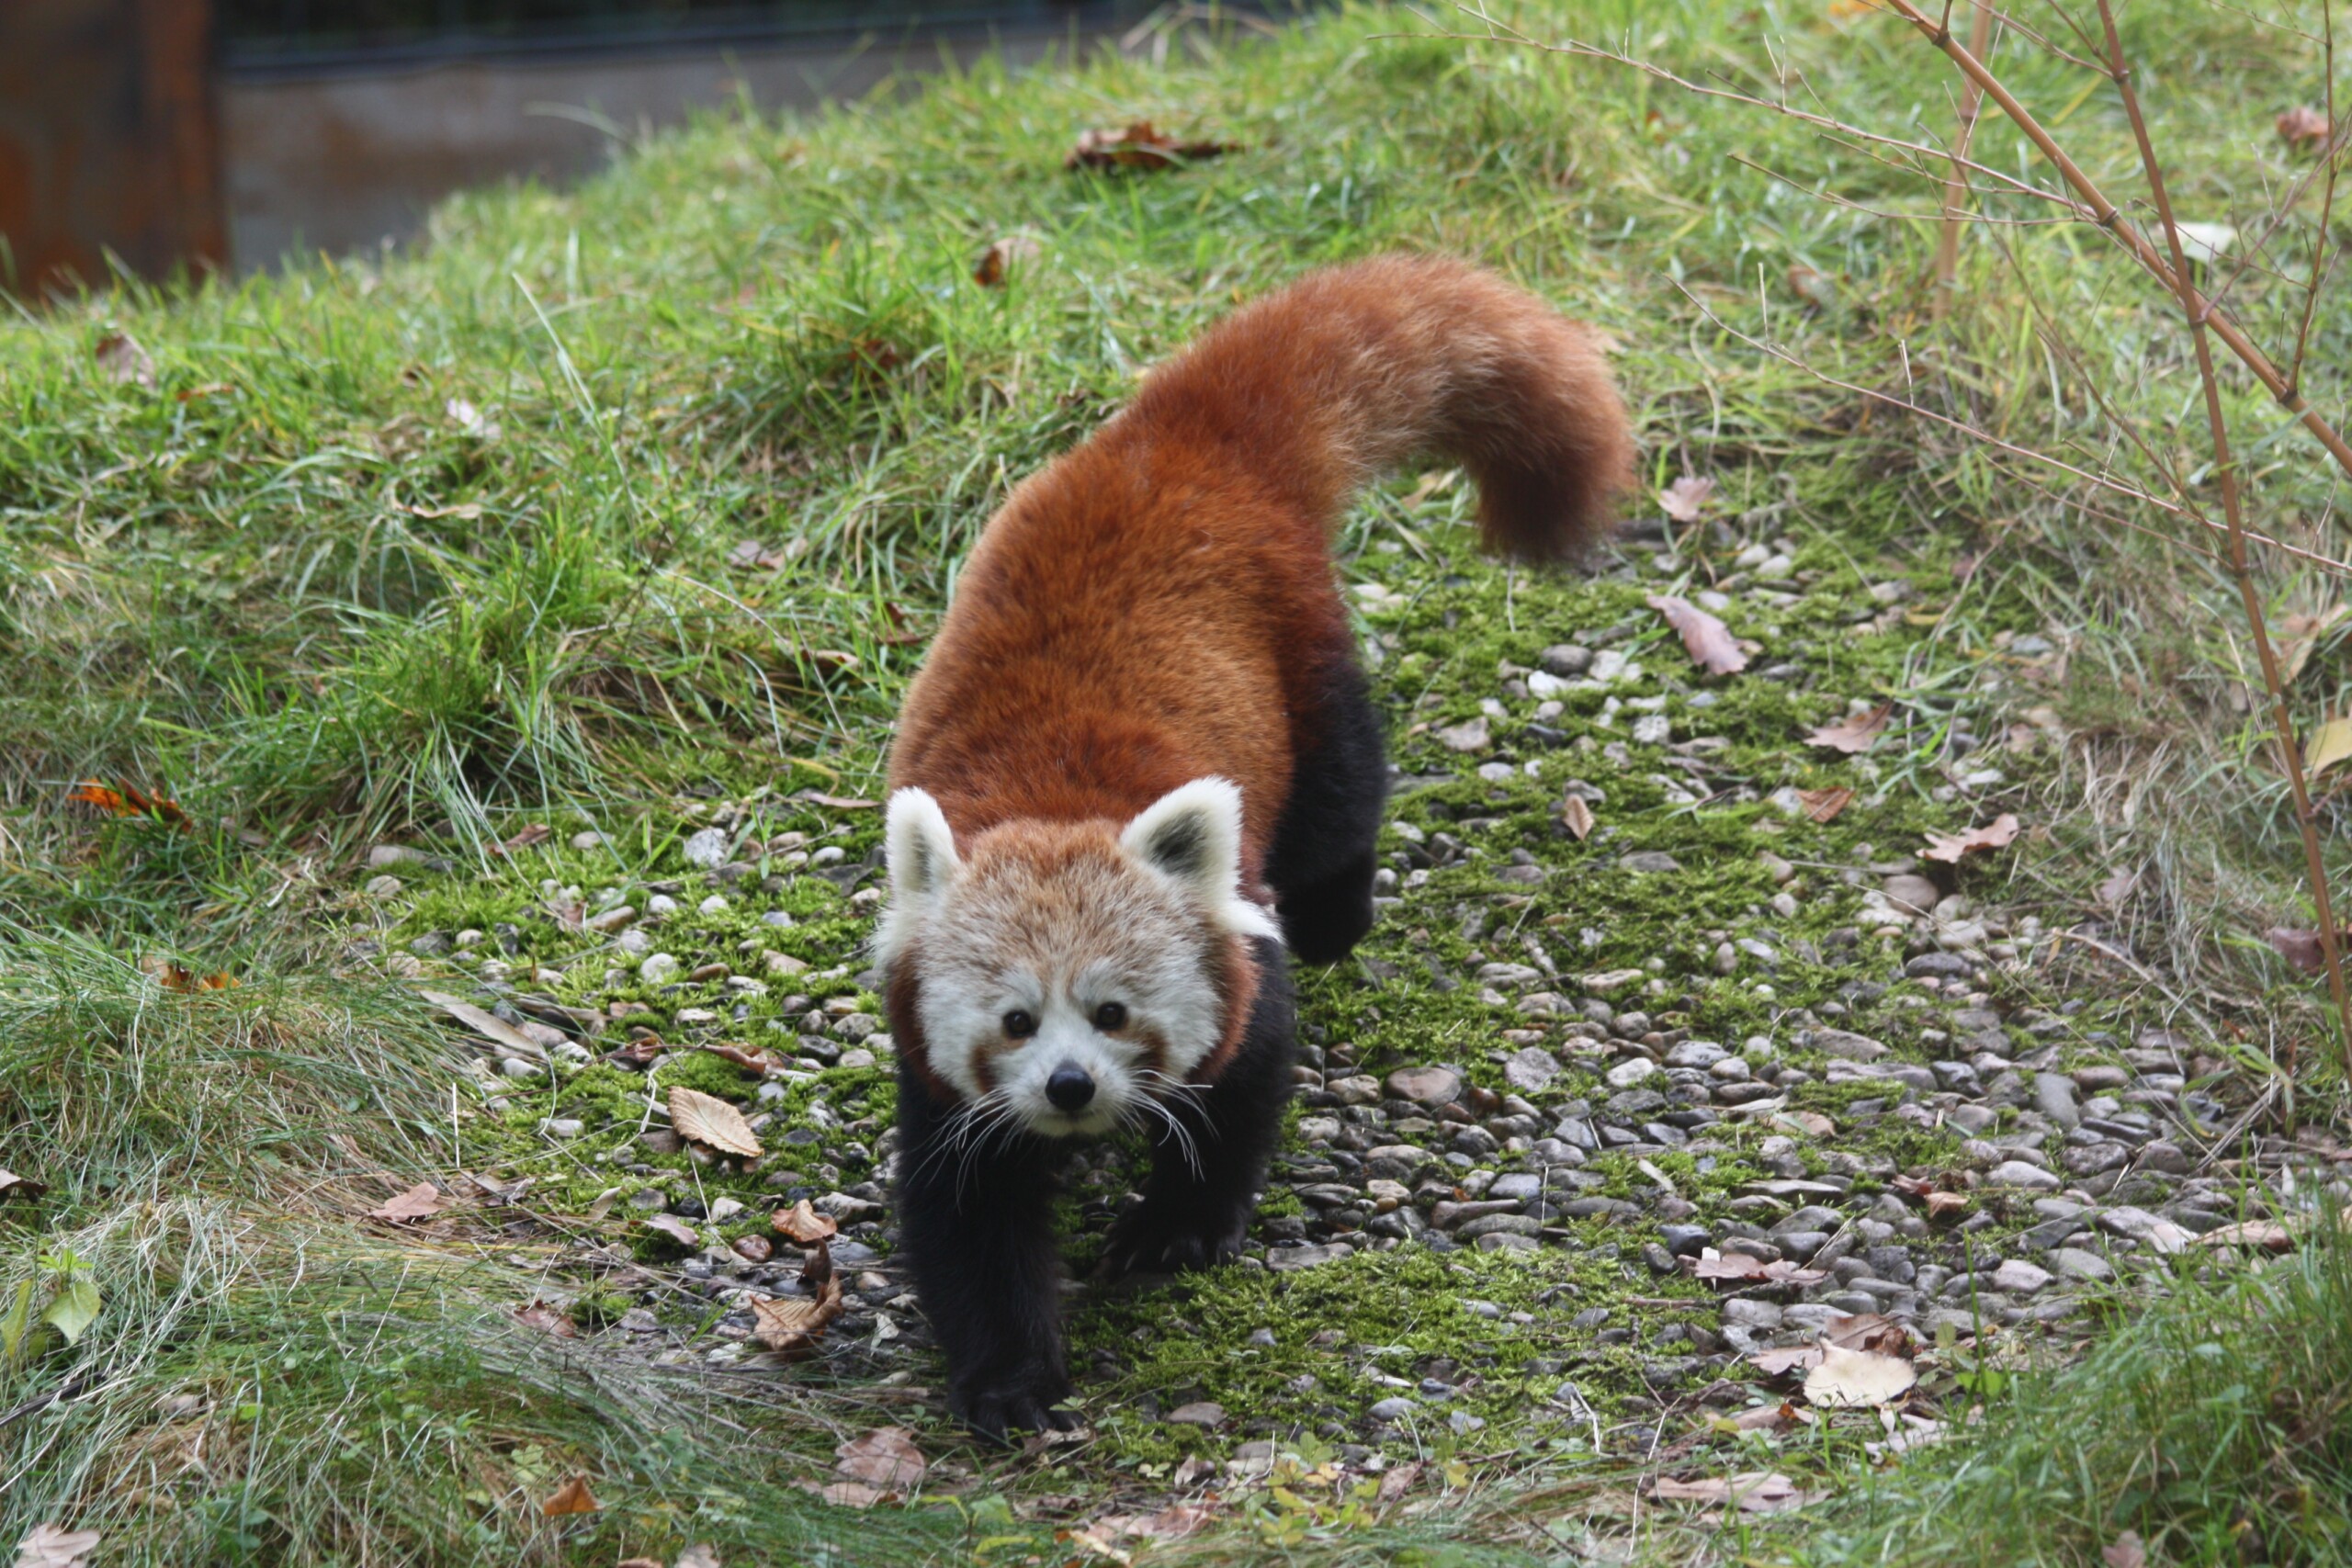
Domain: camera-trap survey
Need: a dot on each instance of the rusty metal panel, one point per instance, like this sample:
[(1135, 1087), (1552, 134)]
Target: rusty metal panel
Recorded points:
[(109, 141)]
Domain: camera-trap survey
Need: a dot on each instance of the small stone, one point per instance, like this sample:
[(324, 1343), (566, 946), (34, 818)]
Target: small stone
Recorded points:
[(1425, 1086), (383, 855), (1289, 1259), (563, 1128), (1846, 1045), (1473, 735), (591, 839), (2074, 1263), (1463, 1423), (1506, 1241), (1360, 1089), (1632, 1071), (1915, 893), (1530, 1069), (658, 969), (1651, 861), (706, 850), (1938, 966), (714, 904), (1201, 1412), (2017, 1173), (1394, 1408), (1751, 1314), (2018, 1277), (2053, 1096), (382, 886)]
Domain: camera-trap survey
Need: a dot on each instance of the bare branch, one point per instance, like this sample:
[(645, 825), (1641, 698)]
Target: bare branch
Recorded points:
[(1971, 97)]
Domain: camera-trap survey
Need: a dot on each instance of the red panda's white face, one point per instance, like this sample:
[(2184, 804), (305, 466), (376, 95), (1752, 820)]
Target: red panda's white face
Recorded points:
[(1067, 976)]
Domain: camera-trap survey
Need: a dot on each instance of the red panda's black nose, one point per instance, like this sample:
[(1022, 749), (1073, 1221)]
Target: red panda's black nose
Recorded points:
[(1071, 1087)]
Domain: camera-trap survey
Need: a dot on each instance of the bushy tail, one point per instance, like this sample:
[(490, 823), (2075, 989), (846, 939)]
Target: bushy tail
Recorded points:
[(1351, 371)]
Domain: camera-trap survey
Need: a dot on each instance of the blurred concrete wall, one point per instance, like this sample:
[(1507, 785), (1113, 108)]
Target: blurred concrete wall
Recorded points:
[(107, 141), (342, 161)]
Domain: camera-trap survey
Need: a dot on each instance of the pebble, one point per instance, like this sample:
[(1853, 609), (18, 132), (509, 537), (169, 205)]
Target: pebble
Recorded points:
[(707, 850), (2017, 1277), (2074, 1263), (1530, 1069), (1423, 1086), (382, 886), (658, 969), (1632, 1071), (1394, 1408)]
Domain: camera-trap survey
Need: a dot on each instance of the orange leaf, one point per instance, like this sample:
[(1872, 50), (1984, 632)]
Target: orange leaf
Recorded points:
[(793, 1327), (571, 1497), (999, 259), (127, 800), (803, 1223), (1138, 146), (1708, 641)]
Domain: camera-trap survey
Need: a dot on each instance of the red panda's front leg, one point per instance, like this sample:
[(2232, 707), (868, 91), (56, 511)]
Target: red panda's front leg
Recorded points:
[(976, 1220)]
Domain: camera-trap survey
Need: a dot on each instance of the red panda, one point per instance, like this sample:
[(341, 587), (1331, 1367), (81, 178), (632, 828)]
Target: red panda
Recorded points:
[(1140, 760)]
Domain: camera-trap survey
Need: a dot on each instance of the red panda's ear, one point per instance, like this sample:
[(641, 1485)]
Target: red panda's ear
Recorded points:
[(921, 848), (1194, 834)]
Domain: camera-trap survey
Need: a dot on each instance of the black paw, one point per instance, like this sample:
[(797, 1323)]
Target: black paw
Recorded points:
[(991, 1408), (1156, 1240)]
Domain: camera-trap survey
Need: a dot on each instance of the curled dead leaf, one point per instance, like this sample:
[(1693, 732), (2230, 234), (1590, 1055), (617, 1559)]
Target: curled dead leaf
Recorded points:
[(1738, 1268), (2303, 126), (998, 261), (1823, 805), (1754, 1492), (2299, 947), (54, 1546), (2127, 1550), (792, 1326), (1948, 847), (803, 1223), (421, 1202), (122, 799), (488, 1025), (1686, 498), (1576, 817), (886, 1457), (711, 1121), (1853, 735), (547, 1318), (120, 357), (470, 420), (1707, 639), (14, 1186), (1846, 1378), (571, 1497), (1139, 146)]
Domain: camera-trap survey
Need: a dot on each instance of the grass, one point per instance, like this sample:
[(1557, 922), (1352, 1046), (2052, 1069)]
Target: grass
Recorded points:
[(433, 547)]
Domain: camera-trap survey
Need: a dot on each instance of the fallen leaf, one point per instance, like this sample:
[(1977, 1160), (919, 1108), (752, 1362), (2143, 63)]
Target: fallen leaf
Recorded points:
[(1707, 639), (2117, 887), (2127, 1551), (2301, 125), (1754, 1492), (421, 1202), (1138, 146), (571, 1497), (1739, 1268), (548, 1319), (752, 555), (2299, 948), (816, 1269), (1823, 805), (1853, 735), (464, 512), (1787, 1359), (1946, 1205), (803, 1223), (699, 1555), (1867, 1331), (713, 1122), (119, 355), (851, 1495), (791, 1325), (1685, 499), (127, 800), (1171, 1523), (675, 1231), (487, 1026), (2326, 746), (998, 261), (470, 420), (1576, 817), (1816, 288), (1845, 1378), (174, 976), (2205, 242), (1399, 1480), (14, 1186), (50, 1546), (886, 1457), (1950, 847), (537, 833)]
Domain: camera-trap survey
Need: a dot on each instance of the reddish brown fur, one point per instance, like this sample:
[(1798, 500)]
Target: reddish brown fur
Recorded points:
[(1158, 605)]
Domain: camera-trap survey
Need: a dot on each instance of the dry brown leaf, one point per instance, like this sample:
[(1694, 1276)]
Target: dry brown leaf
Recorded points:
[(14, 1186), (119, 355), (886, 1457), (2328, 745), (176, 977), (470, 420), (1739, 1268), (1823, 805), (1816, 288), (999, 260), (713, 1122), (1754, 1492), (1946, 1205), (571, 1497), (1139, 146), (50, 1546), (2268, 1235), (547, 1318), (1399, 1480), (1948, 847), (2299, 948), (1867, 1331), (699, 1555), (2117, 887), (803, 1223), (489, 1026), (1685, 499), (2127, 1551), (421, 1202), (1171, 1523), (793, 1327), (1787, 1359), (537, 833), (1576, 817), (851, 1495), (2303, 126), (1708, 641), (1854, 734), (1846, 1378), (816, 1269)]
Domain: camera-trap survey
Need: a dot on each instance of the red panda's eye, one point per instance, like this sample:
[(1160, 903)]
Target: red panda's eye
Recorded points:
[(1019, 1025), (1110, 1016)]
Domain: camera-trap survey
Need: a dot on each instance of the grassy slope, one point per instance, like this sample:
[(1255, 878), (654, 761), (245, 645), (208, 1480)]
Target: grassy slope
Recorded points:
[(291, 587)]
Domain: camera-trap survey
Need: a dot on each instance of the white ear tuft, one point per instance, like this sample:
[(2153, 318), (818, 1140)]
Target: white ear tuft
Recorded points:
[(922, 847), (1194, 834)]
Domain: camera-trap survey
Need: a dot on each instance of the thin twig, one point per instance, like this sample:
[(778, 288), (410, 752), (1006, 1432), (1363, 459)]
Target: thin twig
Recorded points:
[(2232, 509), (2332, 155), (1971, 97), (2174, 275)]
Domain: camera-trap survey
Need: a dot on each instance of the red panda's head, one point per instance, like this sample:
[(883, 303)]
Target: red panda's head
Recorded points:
[(1067, 975)]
